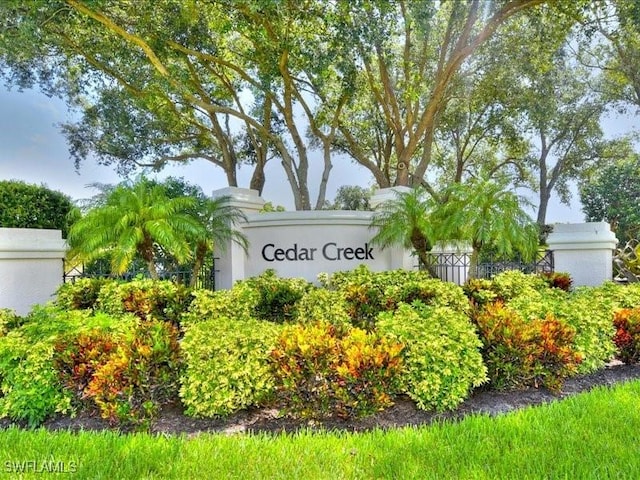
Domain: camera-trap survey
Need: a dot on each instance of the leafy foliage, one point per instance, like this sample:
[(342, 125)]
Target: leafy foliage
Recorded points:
[(277, 297), (126, 377), (145, 298), (133, 221), (406, 220), (368, 293), (559, 280), (627, 337), (81, 294), (520, 353), (30, 386), (589, 314), (612, 194), (226, 365), (350, 197), (320, 371), (441, 355), (488, 215), (30, 206), (237, 303), (8, 320), (320, 304)]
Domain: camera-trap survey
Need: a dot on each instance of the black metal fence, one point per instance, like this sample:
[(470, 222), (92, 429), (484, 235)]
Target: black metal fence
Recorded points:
[(455, 267), (206, 278)]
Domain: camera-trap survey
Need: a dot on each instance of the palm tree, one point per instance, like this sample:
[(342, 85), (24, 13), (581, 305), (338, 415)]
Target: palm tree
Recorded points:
[(407, 220), (135, 220), (486, 214), (218, 219)]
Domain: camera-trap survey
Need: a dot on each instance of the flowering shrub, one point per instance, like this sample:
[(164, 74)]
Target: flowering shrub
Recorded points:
[(321, 371), (627, 337)]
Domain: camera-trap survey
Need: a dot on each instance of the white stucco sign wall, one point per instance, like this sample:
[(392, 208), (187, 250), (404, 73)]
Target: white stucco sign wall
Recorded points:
[(303, 243), (30, 267)]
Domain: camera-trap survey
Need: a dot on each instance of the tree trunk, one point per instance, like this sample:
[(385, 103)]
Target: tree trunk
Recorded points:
[(473, 262), (545, 194), (322, 192), (201, 251)]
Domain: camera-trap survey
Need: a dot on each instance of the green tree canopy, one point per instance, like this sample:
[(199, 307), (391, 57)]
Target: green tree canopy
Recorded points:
[(24, 205), (612, 194), (351, 197), (235, 83)]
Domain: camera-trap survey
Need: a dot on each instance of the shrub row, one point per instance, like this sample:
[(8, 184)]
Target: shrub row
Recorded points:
[(124, 349)]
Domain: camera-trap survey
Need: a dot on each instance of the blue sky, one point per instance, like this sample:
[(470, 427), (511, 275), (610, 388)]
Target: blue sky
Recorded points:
[(33, 149)]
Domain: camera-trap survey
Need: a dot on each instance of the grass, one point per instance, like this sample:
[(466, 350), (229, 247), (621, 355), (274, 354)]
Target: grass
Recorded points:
[(592, 435)]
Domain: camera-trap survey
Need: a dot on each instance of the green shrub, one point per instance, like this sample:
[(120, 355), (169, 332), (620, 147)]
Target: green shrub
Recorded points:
[(321, 371), (514, 283), (81, 294), (559, 280), (621, 296), (627, 337), (320, 304), (526, 353), (368, 293), (125, 377), (8, 320), (441, 355), (237, 303), (31, 388), (429, 291), (145, 298), (277, 297), (479, 291), (226, 365)]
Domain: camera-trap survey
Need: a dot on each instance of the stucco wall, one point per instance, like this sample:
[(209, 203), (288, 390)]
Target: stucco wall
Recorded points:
[(31, 263), (584, 250), (302, 244)]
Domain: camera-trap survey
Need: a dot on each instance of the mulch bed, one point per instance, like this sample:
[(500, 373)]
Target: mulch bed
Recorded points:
[(403, 413)]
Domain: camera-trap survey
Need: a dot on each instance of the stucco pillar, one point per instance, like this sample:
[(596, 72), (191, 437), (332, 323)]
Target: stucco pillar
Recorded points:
[(400, 256), (31, 267), (584, 251), (231, 258)]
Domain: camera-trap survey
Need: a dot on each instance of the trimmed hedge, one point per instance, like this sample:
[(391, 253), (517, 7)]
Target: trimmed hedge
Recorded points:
[(227, 365), (442, 356)]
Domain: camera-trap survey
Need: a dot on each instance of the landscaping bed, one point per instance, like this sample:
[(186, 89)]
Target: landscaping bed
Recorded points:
[(363, 351), (404, 413)]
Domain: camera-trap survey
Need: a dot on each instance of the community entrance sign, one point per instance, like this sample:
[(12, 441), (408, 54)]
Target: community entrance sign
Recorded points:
[(302, 244)]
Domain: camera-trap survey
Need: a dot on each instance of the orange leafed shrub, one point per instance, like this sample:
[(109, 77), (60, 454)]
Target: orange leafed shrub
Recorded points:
[(320, 371)]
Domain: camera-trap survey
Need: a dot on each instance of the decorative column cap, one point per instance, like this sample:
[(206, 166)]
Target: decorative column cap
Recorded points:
[(244, 198), (582, 236), (385, 194)]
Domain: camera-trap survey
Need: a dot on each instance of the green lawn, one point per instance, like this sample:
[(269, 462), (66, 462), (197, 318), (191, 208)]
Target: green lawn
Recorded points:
[(592, 435)]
